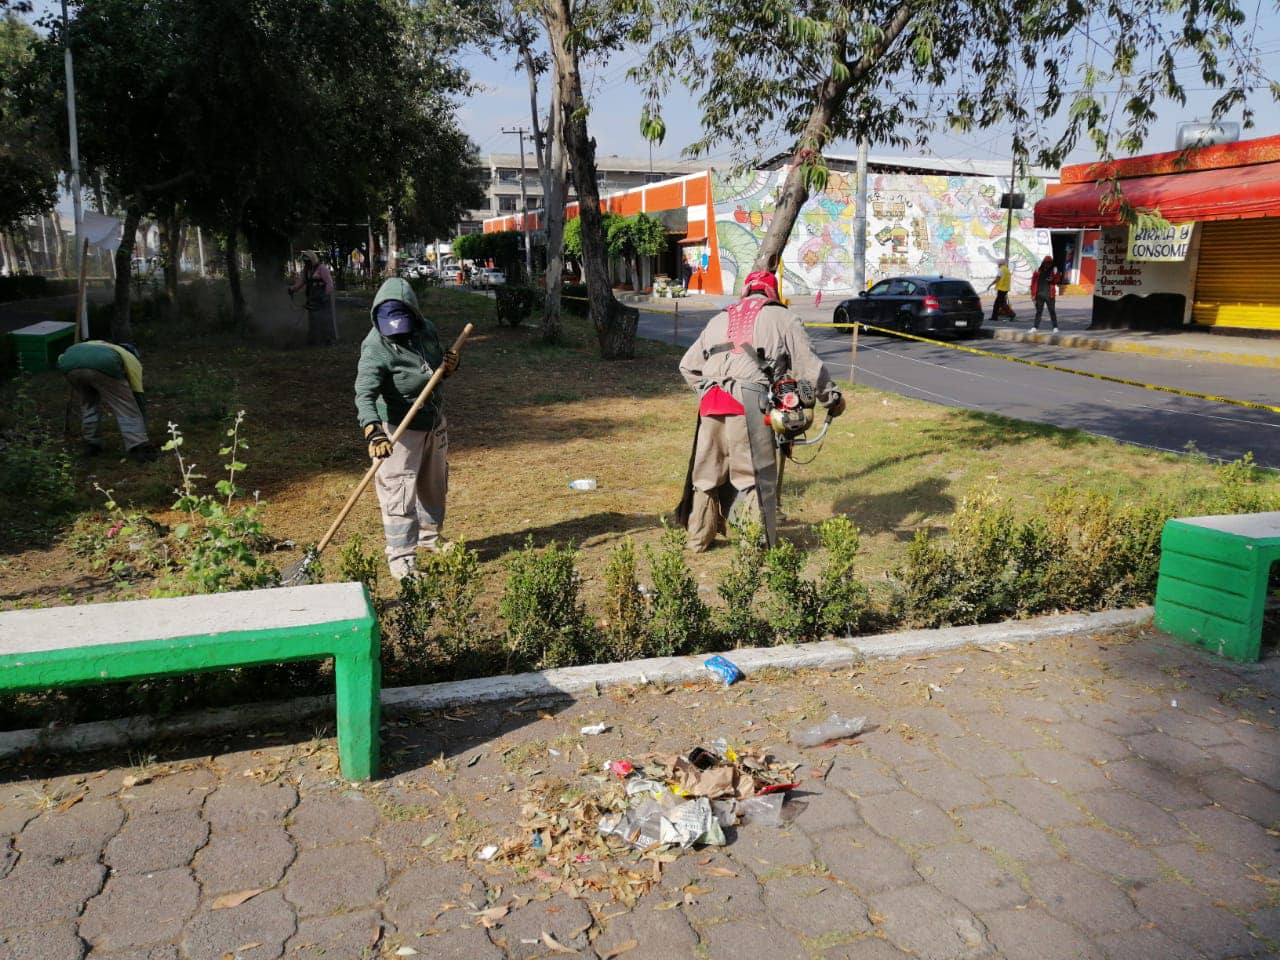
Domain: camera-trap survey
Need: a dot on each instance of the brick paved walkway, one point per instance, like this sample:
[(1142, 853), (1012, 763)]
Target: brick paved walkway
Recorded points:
[(1113, 797)]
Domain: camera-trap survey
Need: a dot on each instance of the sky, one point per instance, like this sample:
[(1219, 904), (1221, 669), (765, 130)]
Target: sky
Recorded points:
[(504, 102)]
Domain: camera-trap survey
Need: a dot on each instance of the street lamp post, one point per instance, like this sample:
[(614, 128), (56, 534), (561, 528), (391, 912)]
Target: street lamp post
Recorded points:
[(83, 318)]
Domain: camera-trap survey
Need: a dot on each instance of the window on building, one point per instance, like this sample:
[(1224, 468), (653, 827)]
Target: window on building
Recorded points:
[(654, 177), (507, 175), (535, 203), (508, 204)]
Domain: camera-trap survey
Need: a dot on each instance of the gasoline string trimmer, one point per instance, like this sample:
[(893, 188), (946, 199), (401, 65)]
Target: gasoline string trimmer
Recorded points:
[(299, 572)]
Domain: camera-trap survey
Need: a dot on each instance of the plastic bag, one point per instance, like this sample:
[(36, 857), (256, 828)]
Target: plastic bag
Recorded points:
[(835, 727)]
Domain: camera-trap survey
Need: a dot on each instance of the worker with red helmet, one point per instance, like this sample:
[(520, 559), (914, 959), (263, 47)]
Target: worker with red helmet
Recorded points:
[(731, 366)]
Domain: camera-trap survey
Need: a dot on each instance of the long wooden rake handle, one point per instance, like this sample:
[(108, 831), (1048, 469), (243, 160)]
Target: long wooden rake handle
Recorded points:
[(404, 423)]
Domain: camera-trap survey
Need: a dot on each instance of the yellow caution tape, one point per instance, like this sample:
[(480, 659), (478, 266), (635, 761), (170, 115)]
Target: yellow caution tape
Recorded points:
[(1250, 404)]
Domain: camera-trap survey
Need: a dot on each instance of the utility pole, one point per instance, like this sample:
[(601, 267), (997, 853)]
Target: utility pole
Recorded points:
[(83, 319), (860, 222), (1013, 189), (524, 204)]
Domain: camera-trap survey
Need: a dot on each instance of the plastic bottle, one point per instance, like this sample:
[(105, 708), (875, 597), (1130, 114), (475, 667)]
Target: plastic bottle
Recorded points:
[(835, 727), (588, 483)]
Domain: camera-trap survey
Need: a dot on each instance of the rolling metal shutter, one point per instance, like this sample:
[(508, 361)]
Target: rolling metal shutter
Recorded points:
[(1238, 275)]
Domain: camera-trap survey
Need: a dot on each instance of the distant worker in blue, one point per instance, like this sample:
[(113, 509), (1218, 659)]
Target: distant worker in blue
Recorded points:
[(110, 373)]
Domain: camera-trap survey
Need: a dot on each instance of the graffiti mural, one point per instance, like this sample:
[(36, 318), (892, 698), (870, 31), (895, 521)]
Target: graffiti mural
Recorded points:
[(915, 224)]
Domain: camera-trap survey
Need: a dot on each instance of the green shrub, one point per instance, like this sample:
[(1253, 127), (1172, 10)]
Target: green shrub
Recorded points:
[(794, 607), (357, 564), (407, 650), (515, 302), (680, 622), (34, 466), (625, 614), (456, 575), (844, 601), (737, 623), (547, 623)]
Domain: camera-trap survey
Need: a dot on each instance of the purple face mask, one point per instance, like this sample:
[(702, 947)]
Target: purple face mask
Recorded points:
[(394, 317)]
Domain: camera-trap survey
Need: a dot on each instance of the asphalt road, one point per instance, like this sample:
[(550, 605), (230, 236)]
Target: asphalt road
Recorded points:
[(953, 378)]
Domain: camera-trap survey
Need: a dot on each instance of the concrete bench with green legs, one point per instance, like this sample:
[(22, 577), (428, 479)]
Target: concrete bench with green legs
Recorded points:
[(101, 642), (1214, 571)]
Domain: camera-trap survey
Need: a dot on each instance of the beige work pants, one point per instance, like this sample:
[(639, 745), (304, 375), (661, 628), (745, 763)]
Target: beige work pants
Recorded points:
[(412, 485), (96, 388), (722, 455)]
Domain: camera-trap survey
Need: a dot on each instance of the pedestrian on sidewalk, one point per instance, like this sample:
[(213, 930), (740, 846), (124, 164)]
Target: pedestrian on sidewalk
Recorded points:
[(316, 282), (397, 358), (1044, 287), (110, 373), (686, 272), (1003, 282), (733, 472)]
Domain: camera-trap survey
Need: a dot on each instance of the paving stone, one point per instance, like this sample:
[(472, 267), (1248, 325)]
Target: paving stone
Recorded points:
[(237, 805), (266, 920), (922, 921), (327, 819), (1143, 821), (414, 900), (890, 746), (1038, 711), (135, 911), (947, 786), (1034, 935), (1082, 896), (815, 907), (1000, 829), (456, 942), (1144, 944), (751, 937), (1006, 733), (80, 832), (1037, 801), (867, 948), (8, 856), (1187, 917), (1177, 756), (1118, 857), (1261, 738), (324, 938), (334, 878), (1152, 783), (862, 776), (1111, 717), (1219, 878), (565, 919), (1248, 798), (400, 841), (767, 851), (971, 876), (933, 719), (157, 841), (907, 818), (1089, 743), (1265, 924), (184, 790), (1254, 765), (866, 861), (40, 891), (162, 951), (56, 941), (979, 758), (826, 808), (15, 811), (1057, 767), (659, 934), (725, 897), (1232, 835), (1183, 725), (243, 860)]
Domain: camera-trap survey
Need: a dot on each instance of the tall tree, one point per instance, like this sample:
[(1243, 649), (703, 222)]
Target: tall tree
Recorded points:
[(895, 70), (28, 149)]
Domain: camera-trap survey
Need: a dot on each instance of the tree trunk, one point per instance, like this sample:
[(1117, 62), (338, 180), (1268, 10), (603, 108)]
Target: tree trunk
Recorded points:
[(121, 311), (272, 313), (393, 243), (170, 224), (549, 150), (615, 324), (239, 310)]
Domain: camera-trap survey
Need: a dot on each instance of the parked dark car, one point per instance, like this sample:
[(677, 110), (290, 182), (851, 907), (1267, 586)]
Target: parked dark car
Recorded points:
[(917, 305)]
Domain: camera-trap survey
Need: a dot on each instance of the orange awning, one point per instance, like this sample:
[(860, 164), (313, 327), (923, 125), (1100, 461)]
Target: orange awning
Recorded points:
[(697, 234), (1231, 193)]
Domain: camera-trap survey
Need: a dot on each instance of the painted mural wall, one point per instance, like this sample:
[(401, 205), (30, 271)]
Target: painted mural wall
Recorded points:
[(915, 224)]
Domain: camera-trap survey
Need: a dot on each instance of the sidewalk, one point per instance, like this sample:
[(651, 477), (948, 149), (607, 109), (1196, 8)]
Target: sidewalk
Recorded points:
[(1074, 314), (1106, 797)]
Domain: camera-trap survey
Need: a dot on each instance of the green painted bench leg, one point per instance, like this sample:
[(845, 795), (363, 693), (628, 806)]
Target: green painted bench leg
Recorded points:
[(359, 681)]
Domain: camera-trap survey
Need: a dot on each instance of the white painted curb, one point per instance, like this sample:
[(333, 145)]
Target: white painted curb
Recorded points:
[(559, 684)]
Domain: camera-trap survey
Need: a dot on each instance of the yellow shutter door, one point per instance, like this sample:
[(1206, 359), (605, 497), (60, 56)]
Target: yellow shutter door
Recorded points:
[(1238, 276)]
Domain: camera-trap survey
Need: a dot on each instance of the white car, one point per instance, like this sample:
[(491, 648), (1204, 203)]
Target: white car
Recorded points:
[(487, 277)]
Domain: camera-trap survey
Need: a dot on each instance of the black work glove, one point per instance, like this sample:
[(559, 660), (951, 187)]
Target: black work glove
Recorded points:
[(450, 363), (836, 407), (379, 443)]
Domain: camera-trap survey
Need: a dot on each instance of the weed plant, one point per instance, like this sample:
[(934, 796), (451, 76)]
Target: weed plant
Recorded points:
[(357, 564), (35, 472), (679, 621)]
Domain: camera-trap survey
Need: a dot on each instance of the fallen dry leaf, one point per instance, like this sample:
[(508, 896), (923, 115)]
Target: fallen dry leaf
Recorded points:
[(620, 949), (247, 946), (489, 918), (132, 781), (555, 944), (720, 872), (229, 900), (70, 802), (1267, 881)]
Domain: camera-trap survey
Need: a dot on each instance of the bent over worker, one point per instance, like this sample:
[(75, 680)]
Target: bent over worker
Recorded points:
[(110, 373), (397, 358), (733, 474)]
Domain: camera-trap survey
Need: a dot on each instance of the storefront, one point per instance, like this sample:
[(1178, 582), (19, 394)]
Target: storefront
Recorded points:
[(1206, 250)]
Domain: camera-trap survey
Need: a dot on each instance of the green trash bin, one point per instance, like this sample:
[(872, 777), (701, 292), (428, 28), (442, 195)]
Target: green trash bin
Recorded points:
[(39, 345)]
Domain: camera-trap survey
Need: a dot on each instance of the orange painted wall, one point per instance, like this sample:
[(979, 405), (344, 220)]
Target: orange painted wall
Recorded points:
[(1239, 154)]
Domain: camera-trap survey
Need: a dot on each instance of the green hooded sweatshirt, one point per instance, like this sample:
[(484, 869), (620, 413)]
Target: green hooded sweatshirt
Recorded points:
[(391, 374)]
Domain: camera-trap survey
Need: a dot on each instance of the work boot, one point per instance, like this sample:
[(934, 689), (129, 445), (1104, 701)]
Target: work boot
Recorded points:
[(144, 453), (402, 567), (91, 448)]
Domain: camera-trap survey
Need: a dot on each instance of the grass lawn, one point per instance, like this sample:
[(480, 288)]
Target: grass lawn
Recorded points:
[(525, 419)]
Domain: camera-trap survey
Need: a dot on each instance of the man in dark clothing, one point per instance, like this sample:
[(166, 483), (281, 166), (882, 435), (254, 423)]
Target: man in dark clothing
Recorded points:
[(109, 373), (316, 282), (1044, 287)]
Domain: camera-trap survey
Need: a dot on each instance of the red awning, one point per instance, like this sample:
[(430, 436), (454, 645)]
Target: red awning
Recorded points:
[(1232, 193), (697, 234)]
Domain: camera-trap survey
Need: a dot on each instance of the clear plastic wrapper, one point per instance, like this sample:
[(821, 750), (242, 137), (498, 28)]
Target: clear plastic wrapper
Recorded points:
[(835, 727)]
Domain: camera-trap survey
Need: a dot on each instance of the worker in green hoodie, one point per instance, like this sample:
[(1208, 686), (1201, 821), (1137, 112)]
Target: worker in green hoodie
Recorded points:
[(397, 358), (109, 373)]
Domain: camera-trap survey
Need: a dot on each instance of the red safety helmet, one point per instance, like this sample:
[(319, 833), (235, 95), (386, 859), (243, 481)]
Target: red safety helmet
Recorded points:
[(761, 281)]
